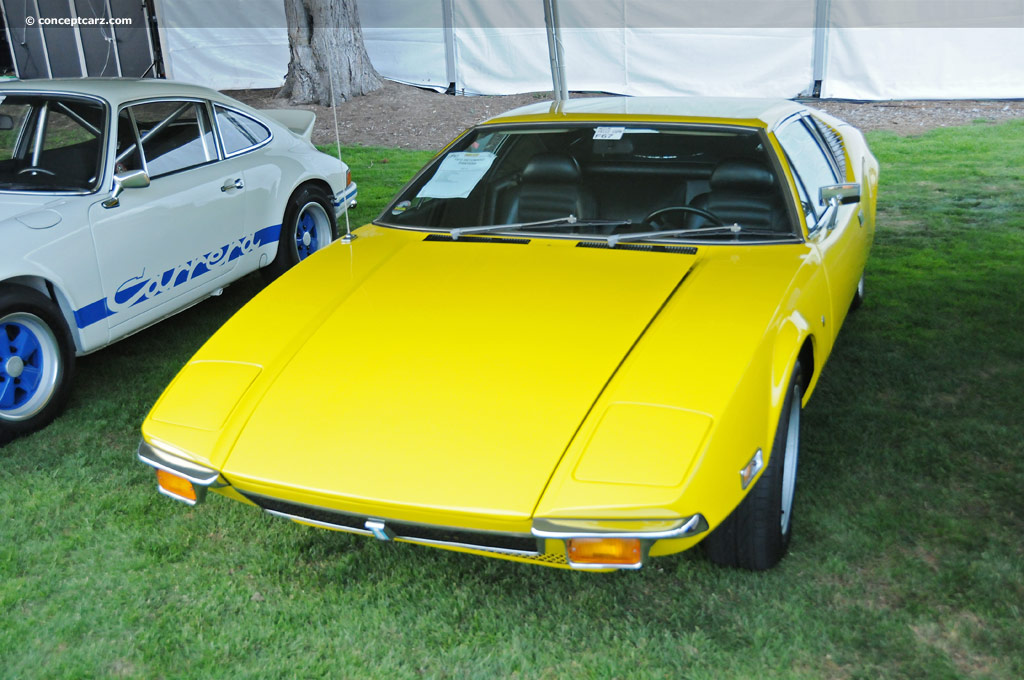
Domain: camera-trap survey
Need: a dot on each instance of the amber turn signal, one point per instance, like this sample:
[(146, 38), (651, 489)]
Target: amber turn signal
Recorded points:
[(176, 486), (604, 551)]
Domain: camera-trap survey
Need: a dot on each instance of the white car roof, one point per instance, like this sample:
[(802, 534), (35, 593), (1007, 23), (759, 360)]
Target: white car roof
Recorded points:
[(116, 90)]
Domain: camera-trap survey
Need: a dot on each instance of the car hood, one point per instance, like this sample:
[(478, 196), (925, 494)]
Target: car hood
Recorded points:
[(452, 376)]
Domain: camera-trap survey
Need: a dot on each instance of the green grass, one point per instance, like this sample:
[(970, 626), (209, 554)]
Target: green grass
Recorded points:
[(907, 560)]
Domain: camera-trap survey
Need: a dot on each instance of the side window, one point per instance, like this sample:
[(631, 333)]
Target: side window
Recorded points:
[(175, 136), (239, 132), (127, 154), (812, 168), (14, 118)]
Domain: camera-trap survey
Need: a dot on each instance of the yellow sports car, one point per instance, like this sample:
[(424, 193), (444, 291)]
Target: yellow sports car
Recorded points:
[(580, 337)]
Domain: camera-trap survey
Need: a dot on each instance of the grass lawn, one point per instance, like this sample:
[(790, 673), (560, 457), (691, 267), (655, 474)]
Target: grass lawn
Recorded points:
[(907, 560)]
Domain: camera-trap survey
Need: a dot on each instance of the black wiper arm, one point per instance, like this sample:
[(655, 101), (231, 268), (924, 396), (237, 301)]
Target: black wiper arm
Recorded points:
[(540, 224)]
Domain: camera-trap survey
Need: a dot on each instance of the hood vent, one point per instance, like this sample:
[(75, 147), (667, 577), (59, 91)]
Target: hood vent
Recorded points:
[(650, 247), (475, 239)]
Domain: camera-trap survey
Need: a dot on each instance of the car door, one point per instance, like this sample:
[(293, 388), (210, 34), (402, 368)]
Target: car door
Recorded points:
[(245, 142), (834, 231), (164, 246)]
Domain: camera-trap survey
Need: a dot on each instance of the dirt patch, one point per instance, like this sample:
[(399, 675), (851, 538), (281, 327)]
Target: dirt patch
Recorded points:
[(412, 118)]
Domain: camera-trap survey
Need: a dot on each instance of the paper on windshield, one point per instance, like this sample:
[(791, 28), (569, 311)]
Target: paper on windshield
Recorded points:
[(609, 132), (458, 175)]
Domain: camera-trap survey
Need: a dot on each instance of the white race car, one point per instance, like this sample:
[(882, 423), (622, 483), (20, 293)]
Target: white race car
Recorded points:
[(125, 201)]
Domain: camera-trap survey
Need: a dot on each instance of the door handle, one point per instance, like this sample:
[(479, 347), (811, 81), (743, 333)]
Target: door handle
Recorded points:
[(237, 184)]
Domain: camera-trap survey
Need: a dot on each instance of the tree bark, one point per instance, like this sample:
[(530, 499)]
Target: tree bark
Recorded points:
[(327, 44)]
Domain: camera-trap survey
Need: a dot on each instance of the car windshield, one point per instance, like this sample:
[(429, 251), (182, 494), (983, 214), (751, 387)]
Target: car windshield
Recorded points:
[(50, 143), (614, 182)]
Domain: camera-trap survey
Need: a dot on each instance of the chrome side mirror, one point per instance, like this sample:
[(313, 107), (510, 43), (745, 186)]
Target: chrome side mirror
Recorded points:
[(841, 194), (133, 179)]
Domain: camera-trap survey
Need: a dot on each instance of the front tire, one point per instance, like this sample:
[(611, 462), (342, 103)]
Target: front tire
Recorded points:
[(757, 533), (36, 360), (858, 296), (309, 225)]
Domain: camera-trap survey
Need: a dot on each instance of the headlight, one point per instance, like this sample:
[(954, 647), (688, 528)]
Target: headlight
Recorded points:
[(177, 477)]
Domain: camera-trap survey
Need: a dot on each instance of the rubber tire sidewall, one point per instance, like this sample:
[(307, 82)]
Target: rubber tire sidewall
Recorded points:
[(858, 294), (751, 537), (16, 298), (287, 252)]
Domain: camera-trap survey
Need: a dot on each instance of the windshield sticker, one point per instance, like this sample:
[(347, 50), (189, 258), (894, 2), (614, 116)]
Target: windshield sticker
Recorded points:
[(401, 207), (609, 132), (458, 175)]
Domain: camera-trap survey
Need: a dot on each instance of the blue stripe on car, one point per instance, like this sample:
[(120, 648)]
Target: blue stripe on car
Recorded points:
[(345, 195), (100, 309), (91, 313)]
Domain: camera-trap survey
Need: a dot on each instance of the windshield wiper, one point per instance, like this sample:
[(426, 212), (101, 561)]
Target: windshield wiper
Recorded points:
[(571, 220), (734, 229)]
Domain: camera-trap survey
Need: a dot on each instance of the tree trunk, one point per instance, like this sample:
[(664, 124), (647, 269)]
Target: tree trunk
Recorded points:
[(326, 43)]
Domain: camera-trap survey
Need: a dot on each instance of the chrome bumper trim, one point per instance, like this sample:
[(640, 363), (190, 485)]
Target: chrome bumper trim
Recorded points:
[(364, 525), (578, 528), (202, 478)]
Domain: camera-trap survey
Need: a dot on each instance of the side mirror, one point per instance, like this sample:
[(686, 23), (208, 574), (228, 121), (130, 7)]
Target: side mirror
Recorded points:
[(134, 179), (841, 194), (6, 122)]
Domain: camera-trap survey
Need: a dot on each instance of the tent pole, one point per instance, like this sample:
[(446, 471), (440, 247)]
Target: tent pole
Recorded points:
[(554, 30), (448, 17), (822, 15)]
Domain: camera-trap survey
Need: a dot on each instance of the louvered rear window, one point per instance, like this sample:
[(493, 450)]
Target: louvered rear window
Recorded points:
[(835, 142)]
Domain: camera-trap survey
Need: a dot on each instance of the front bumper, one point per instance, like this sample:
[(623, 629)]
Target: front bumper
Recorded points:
[(551, 542)]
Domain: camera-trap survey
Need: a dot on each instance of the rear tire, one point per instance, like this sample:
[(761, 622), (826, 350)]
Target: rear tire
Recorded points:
[(757, 533), (36, 361), (309, 225)]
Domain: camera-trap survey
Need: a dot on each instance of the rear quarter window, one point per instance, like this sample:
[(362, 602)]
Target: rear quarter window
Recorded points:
[(239, 132)]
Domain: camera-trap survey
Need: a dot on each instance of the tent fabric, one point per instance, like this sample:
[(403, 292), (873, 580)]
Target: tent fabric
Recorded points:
[(230, 45), (638, 61), (924, 63), (862, 50)]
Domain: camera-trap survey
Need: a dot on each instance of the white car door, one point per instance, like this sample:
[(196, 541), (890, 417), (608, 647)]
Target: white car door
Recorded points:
[(162, 247), (246, 141)]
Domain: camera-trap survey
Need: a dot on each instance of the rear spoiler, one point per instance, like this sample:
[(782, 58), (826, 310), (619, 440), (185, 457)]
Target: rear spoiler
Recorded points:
[(297, 120)]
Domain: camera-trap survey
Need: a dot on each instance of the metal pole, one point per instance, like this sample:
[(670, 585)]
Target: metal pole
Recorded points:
[(448, 17), (551, 22), (822, 13)]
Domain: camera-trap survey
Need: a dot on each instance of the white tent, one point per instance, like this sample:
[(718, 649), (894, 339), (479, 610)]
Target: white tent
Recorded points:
[(859, 49)]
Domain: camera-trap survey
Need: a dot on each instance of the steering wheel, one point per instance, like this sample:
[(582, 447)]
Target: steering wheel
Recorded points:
[(36, 169), (660, 212)]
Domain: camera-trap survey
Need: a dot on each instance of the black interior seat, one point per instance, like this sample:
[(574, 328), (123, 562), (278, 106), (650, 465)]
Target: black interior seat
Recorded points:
[(551, 187), (744, 192)]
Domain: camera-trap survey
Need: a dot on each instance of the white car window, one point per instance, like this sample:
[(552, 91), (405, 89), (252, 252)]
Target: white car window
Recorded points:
[(50, 143), (239, 132), (813, 168), (175, 136)]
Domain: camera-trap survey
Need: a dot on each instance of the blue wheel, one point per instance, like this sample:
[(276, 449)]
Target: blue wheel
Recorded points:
[(309, 225), (35, 360), (312, 230)]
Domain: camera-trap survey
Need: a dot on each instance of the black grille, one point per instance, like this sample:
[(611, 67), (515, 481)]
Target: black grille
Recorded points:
[(650, 247), (478, 539), (475, 239)]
